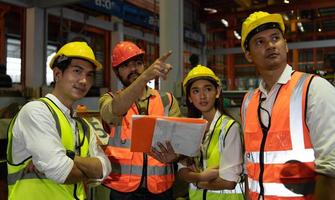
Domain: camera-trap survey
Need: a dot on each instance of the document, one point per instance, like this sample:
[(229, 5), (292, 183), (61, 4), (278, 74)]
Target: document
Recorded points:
[(185, 134)]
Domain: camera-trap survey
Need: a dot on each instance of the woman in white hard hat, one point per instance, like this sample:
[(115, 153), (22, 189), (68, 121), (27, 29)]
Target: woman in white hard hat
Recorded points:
[(216, 172)]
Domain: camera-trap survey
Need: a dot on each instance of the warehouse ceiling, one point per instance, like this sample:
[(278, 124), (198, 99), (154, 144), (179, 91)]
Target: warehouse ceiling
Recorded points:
[(304, 19)]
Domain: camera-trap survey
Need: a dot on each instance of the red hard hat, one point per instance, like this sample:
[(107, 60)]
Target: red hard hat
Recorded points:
[(124, 51)]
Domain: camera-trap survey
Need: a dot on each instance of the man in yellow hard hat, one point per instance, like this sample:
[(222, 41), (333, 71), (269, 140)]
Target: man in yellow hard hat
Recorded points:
[(51, 153), (140, 176), (288, 121)]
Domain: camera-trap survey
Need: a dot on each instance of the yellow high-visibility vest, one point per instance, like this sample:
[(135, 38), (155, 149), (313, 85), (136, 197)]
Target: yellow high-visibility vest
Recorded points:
[(32, 186)]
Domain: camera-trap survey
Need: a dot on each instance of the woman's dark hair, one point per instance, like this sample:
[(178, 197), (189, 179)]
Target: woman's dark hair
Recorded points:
[(192, 110)]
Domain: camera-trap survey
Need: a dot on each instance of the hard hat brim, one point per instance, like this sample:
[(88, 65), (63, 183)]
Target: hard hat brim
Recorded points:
[(116, 64), (97, 64), (208, 78)]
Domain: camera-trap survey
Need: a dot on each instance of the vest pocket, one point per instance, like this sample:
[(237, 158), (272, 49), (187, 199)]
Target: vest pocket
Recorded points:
[(161, 186), (252, 137), (278, 140)]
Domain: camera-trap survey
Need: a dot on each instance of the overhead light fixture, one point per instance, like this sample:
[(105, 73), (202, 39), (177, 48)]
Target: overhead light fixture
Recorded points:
[(237, 35), (225, 22), (286, 1), (301, 28), (285, 17), (210, 10), (319, 29)]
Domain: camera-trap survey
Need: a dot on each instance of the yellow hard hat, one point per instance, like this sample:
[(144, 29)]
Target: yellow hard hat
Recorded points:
[(77, 50), (257, 22), (200, 71)]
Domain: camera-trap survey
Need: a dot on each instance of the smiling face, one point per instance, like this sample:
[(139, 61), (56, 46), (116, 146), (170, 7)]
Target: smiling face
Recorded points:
[(74, 82), (268, 50), (203, 95)]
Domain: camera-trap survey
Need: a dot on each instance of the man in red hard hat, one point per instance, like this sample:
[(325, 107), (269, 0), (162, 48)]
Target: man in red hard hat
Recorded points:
[(136, 175)]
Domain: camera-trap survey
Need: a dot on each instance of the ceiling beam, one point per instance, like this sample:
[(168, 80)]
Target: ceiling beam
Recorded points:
[(217, 4), (146, 4), (23, 3), (305, 20), (49, 4), (244, 3), (297, 5)]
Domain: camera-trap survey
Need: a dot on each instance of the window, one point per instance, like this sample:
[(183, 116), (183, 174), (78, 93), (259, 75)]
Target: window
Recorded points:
[(14, 59), (51, 51)]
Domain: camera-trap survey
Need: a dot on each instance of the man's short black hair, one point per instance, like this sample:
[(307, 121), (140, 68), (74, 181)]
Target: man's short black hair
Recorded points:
[(62, 63)]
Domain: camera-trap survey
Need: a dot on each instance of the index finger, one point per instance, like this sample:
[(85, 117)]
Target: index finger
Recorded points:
[(164, 57), (169, 147)]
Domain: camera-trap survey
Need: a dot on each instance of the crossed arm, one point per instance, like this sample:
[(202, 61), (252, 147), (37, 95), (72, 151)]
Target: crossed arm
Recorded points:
[(84, 169), (207, 179)]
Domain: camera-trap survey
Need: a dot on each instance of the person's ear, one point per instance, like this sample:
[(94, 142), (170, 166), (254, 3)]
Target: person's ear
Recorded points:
[(248, 56), (57, 73), (286, 46), (218, 91), (190, 99), (116, 72)]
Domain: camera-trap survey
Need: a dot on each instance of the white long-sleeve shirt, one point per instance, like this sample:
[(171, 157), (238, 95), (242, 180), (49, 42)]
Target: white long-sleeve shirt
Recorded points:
[(35, 134)]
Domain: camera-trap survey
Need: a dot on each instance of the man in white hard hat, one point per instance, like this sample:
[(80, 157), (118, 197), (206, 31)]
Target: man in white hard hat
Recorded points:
[(288, 122), (51, 153)]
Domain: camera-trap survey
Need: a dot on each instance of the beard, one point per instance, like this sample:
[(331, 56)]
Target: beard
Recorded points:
[(128, 81)]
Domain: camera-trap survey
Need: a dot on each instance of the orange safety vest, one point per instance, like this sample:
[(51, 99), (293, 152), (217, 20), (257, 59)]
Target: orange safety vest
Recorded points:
[(280, 159), (127, 167)]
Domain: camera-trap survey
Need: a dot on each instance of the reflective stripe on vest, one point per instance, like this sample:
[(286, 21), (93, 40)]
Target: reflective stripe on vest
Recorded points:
[(128, 166), (213, 160), (278, 189), (278, 156), (296, 113), (24, 185), (239, 189), (245, 105), (137, 170), (117, 141)]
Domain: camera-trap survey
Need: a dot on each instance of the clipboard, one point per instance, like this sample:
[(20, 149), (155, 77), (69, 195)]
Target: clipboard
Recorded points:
[(146, 130)]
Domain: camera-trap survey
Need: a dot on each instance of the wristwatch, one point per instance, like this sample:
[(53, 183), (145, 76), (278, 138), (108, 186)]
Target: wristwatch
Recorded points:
[(70, 154)]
